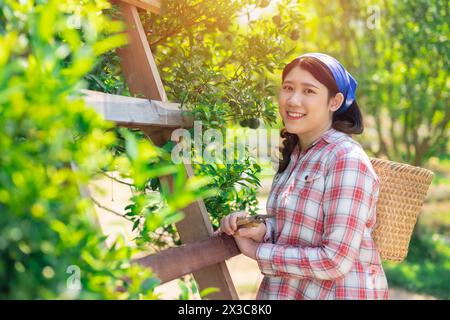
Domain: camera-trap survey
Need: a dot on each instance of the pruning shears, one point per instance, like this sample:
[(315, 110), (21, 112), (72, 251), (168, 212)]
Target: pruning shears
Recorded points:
[(252, 221)]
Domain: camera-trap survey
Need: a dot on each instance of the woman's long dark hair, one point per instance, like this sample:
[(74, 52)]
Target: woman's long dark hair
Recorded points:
[(350, 121)]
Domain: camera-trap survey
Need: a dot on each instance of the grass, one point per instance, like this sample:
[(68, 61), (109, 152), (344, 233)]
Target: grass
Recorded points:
[(436, 217), (426, 269), (248, 288), (440, 178), (441, 169)]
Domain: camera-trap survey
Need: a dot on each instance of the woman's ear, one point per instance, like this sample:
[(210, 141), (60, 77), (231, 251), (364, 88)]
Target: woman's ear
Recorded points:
[(336, 101)]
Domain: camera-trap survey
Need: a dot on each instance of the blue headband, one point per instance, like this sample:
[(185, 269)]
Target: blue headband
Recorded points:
[(344, 80)]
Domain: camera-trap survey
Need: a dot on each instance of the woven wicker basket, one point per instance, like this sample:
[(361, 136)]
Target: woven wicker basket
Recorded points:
[(402, 193)]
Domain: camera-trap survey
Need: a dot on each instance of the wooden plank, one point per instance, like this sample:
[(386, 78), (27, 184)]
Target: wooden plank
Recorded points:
[(142, 77), (129, 111), (150, 5), (137, 61), (176, 262), (158, 135), (194, 227)]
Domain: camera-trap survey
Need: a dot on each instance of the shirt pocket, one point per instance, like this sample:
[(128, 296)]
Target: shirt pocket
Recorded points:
[(275, 180), (304, 194), (310, 183), (300, 215)]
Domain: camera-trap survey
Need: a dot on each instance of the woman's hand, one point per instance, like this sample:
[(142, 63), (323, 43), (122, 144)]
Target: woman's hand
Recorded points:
[(228, 225), (247, 246), (247, 239)]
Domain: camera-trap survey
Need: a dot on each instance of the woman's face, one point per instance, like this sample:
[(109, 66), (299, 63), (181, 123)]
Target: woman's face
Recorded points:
[(304, 105)]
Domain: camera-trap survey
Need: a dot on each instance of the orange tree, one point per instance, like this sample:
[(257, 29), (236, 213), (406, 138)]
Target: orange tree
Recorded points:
[(222, 72)]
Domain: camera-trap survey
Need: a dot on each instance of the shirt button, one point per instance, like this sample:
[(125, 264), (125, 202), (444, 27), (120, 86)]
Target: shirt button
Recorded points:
[(374, 269)]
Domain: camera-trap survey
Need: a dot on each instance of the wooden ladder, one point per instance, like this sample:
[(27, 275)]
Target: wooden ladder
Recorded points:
[(203, 254)]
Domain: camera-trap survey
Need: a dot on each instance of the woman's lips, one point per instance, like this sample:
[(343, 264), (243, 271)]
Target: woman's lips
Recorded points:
[(295, 115)]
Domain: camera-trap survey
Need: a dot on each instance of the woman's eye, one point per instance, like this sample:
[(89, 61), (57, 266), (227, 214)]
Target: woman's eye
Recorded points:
[(287, 88), (309, 91)]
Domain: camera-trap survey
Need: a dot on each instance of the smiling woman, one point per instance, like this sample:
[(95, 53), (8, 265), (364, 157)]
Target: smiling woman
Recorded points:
[(318, 242), (316, 89), (319, 245)]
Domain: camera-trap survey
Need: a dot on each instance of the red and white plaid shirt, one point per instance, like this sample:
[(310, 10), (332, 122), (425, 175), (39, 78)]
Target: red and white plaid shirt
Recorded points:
[(319, 245)]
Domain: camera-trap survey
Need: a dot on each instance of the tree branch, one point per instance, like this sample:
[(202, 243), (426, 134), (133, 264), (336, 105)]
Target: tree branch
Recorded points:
[(117, 180), (383, 147), (110, 210), (175, 31)]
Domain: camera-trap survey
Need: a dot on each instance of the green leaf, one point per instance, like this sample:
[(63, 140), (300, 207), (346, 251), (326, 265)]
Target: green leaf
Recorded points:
[(184, 290), (136, 224), (173, 218), (150, 284), (207, 291)]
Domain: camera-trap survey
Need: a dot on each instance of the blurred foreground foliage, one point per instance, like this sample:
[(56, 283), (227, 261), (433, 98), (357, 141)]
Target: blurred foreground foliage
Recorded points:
[(52, 145)]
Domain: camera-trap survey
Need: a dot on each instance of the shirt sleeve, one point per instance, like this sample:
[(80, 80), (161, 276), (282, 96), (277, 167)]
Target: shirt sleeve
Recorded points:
[(268, 237), (351, 191)]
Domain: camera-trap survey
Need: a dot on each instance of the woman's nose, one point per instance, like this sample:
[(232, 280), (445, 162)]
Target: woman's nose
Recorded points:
[(295, 100)]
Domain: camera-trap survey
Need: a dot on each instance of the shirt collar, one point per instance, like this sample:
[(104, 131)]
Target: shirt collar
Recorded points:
[(330, 136)]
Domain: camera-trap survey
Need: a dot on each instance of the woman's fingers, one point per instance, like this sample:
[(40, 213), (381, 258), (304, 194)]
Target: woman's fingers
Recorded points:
[(246, 232), (233, 219), (225, 225), (228, 224), (255, 233)]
